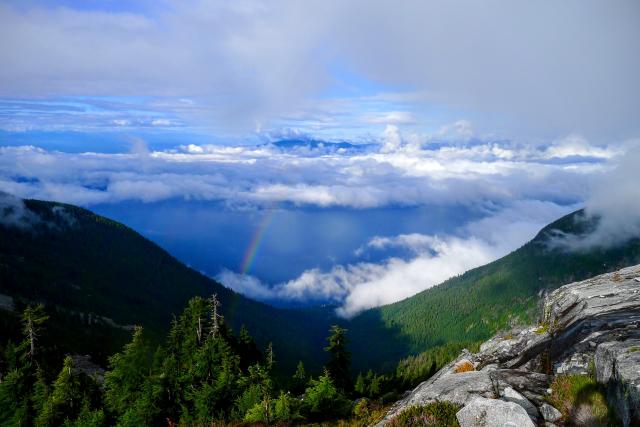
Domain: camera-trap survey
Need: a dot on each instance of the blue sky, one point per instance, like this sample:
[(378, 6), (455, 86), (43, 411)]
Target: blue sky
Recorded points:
[(460, 118)]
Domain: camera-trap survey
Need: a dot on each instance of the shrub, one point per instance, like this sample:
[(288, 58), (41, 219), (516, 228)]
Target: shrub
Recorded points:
[(361, 408), (437, 414), (322, 400), (581, 400), (286, 408)]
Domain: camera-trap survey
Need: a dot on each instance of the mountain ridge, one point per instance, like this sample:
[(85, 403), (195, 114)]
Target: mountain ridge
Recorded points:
[(80, 263), (86, 263)]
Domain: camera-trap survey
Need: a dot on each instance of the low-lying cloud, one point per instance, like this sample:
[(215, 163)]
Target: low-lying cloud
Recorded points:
[(614, 204), (14, 213), (359, 286), (515, 189), (404, 170)]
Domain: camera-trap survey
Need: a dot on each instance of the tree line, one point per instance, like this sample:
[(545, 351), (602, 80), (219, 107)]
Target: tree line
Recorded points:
[(202, 374)]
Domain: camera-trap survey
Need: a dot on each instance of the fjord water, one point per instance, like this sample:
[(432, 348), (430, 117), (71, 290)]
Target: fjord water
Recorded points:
[(288, 240)]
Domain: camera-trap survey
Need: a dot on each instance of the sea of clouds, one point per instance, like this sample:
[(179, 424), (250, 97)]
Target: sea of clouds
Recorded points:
[(519, 188)]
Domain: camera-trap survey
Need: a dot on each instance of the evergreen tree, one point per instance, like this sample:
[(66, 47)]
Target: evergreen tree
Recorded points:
[(124, 382), (259, 376), (40, 393), (324, 401), (14, 409), (360, 387), (270, 358), (32, 319), (72, 394), (300, 379), (339, 363), (247, 349), (17, 405), (375, 386)]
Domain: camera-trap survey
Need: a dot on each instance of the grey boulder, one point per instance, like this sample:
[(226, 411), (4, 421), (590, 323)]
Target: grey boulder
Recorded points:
[(549, 413), (510, 395), (483, 412)]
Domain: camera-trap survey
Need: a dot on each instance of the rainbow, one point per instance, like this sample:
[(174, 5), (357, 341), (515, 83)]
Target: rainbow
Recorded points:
[(256, 240)]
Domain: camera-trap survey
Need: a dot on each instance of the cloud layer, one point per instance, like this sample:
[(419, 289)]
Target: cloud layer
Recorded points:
[(514, 188), (615, 203), (549, 68), (363, 285), (399, 170)]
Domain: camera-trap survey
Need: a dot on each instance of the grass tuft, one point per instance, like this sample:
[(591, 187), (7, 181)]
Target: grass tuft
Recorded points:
[(582, 401), (437, 414)]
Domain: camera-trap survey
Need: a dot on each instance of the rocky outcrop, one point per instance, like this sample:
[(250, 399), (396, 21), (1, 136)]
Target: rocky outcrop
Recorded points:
[(618, 366), (593, 324), (447, 385)]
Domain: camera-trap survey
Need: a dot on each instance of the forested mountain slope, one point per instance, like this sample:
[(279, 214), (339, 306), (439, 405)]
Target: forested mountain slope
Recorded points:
[(471, 307), (79, 263), (97, 276)]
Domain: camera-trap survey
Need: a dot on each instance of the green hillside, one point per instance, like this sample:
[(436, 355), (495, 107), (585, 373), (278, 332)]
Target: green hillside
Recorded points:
[(99, 277), (80, 264), (473, 306)]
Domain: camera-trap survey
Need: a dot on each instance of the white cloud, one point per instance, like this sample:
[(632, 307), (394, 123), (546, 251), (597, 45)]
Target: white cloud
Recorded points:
[(391, 139), (390, 118), (363, 285), (520, 66), (403, 170), (615, 202), (460, 130), (577, 145), (14, 213), (415, 242)]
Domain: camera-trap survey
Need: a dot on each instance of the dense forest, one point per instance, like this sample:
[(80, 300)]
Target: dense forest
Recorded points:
[(98, 272), (80, 293), (203, 374), (473, 306)]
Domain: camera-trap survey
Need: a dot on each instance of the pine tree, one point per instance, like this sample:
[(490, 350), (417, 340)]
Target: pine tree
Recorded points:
[(339, 363), (41, 392), (17, 407), (300, 379), (125, 380), (72, 394), (247, 349), (270, 358), (323, 400), (32, 319), (360, 387)]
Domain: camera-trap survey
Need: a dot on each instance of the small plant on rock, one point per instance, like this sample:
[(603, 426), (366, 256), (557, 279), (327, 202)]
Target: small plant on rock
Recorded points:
[(437, 414)]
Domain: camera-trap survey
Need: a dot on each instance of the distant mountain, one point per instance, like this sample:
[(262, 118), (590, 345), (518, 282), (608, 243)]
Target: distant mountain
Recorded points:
[(97, 276), (471, 307), (318, 145)]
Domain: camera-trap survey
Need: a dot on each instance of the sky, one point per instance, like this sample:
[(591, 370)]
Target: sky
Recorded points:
[(343, 152)]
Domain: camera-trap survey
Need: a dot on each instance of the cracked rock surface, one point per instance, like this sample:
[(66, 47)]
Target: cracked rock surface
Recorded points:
[(595, 322)]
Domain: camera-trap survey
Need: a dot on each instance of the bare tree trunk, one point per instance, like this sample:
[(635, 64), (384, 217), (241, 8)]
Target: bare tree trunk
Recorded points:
[(199, 330), (32, 337), (215, 303)]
